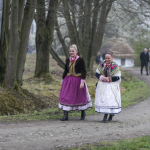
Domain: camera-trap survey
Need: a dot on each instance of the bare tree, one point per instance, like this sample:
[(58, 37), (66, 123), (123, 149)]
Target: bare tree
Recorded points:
[(86, 21), (14, 39), (11, 64), (25, 23), (4, 38), (44, 36), (129, 18)]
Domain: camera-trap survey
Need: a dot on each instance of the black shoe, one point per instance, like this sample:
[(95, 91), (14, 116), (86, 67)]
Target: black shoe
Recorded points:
[(105, 118), (147, 74), (110, 117), (65, 117), (83, 114)]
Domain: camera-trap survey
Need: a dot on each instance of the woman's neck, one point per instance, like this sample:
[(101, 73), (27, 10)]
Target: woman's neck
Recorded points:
[(73, 56)]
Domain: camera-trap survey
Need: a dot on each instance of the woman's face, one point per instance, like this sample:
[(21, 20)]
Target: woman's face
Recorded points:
[(73, 52), (108, 58)]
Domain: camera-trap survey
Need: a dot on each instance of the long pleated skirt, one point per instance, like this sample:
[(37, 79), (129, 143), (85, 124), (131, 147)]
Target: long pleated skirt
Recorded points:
[(108, 105), (72, 97)]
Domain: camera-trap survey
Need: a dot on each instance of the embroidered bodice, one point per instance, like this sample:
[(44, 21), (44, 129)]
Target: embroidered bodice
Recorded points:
[(72, 70), (75, 68)]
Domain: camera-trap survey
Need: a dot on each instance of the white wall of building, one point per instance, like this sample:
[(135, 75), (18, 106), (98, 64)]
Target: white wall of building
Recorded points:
[(118, 61), (129, 63)]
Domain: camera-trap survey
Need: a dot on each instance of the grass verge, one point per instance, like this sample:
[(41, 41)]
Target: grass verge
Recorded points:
[(142, 143), (133, 91)]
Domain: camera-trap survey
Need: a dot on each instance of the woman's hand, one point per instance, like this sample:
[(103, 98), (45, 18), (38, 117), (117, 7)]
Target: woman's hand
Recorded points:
[(81, 85), (104, 79), (61, 82)]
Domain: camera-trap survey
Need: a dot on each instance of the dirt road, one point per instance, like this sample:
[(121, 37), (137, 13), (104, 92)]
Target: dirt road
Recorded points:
[(132, 122)]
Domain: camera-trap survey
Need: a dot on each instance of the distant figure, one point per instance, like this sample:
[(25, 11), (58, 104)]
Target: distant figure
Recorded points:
[(97, 59), (103, 55), (149, 61), (144, 57)]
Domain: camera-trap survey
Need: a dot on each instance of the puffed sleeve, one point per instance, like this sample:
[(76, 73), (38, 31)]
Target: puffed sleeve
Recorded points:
[(83, 69), (97, 73), (115, 78)]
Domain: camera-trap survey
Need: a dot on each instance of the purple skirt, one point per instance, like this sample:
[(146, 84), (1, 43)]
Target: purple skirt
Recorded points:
[(71, 94)]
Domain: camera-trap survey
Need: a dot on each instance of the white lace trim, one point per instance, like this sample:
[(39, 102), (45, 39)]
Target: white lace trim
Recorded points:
[(108, 111)]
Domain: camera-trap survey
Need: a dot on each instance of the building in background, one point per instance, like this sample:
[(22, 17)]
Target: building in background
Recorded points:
[(123, 54)]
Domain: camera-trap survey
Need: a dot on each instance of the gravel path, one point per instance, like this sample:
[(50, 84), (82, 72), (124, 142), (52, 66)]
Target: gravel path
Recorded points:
[(132, 122)]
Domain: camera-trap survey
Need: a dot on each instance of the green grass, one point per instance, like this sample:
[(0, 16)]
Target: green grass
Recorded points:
[(133, 91), (53, 113), (142, 143)]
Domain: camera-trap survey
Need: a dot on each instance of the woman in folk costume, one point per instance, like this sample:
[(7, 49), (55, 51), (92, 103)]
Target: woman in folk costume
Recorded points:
[(108, 97), (74, 94)]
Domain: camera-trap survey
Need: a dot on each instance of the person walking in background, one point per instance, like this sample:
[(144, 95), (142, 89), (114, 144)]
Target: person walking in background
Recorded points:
[(144, 57), (149, 61), (97, 59), (74, 94), (103, 55), (107, 96)]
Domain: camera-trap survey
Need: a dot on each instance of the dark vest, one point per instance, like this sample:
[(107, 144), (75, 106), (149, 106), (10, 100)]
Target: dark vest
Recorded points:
[(79, 68)]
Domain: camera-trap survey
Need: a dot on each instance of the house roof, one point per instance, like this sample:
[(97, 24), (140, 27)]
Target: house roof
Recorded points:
[(119, 47)]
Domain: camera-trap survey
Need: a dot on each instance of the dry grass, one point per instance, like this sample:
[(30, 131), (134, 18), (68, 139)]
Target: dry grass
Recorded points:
[(44, 87), (40, 97)]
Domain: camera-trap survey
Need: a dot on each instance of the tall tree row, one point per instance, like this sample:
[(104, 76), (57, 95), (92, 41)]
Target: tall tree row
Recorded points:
[(85, 21), (14, 39), (4, 38), (44, 36), (16, 23), (24, 24)]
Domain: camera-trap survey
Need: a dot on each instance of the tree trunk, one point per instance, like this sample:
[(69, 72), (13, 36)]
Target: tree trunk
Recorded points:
[(20, 13), (66, 14), (4, 38), (56, 57), (98, 36), (75, 25), (44, 36), (88, 34), (81, 27), (11, 64), (62, 41), (24, 37), (42, 52)]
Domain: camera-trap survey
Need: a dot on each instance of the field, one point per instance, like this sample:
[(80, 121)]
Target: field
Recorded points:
[(142, 143), (39, 98)]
